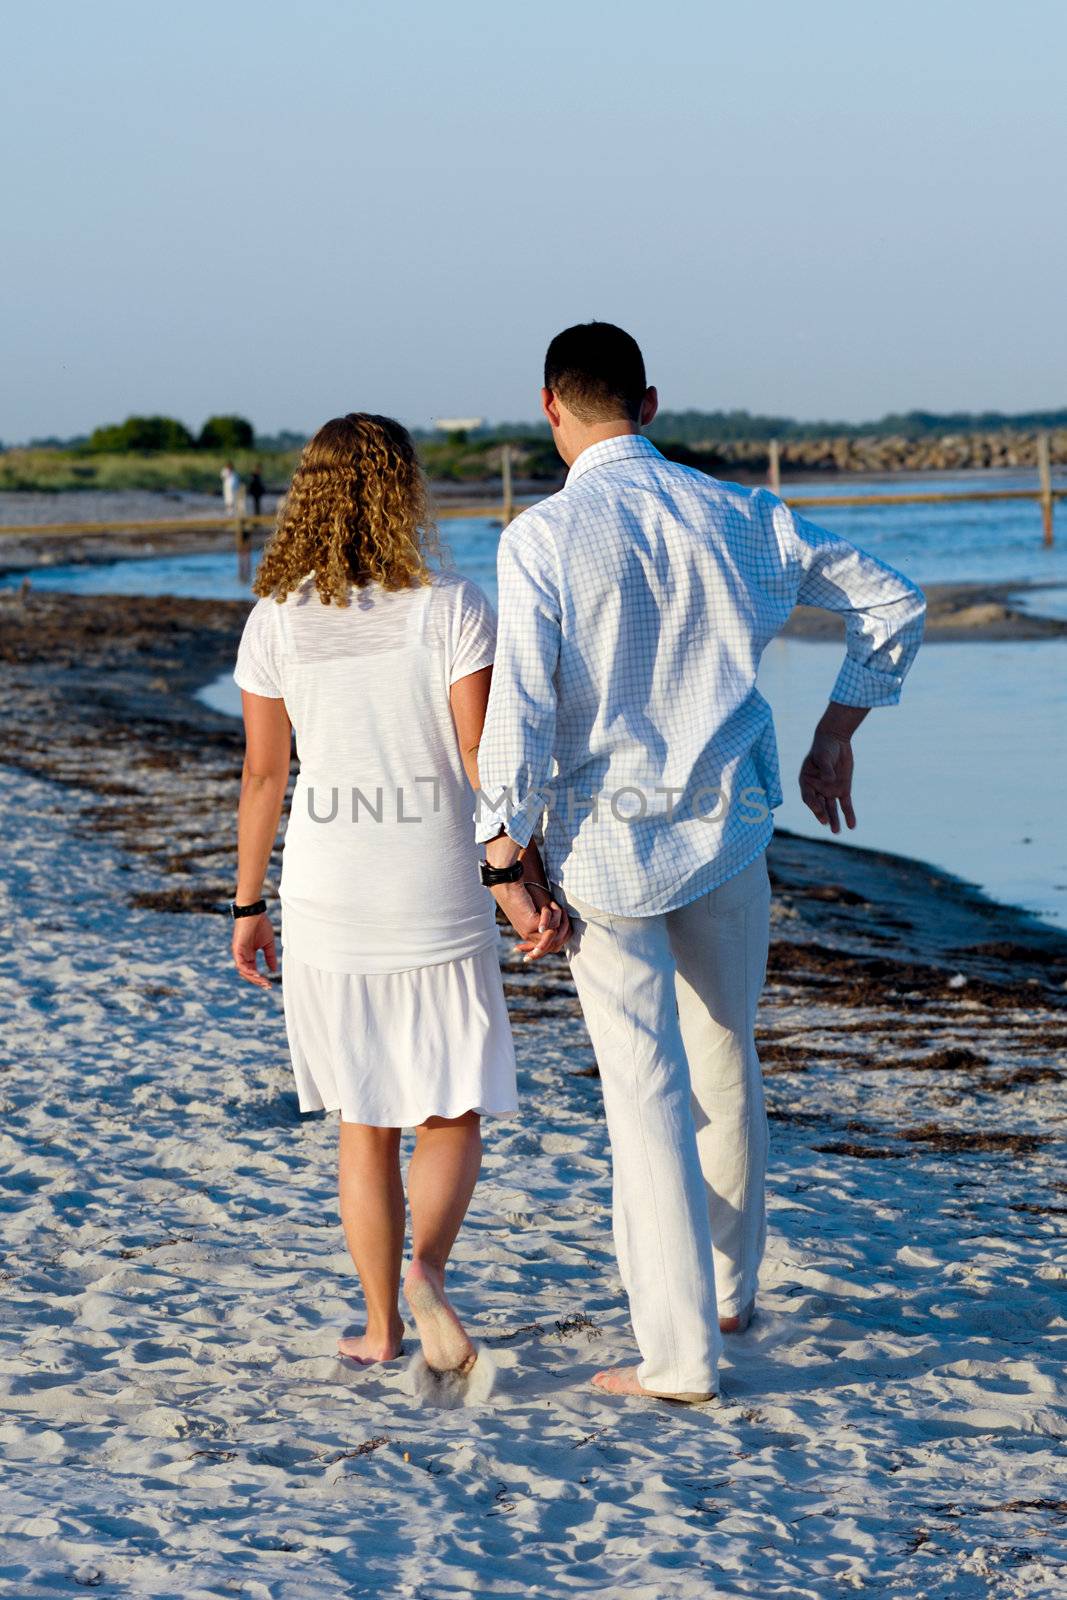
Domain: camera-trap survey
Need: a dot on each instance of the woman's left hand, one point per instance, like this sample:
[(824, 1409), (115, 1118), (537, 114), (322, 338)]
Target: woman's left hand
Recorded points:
[(250, 935), (542, 925)]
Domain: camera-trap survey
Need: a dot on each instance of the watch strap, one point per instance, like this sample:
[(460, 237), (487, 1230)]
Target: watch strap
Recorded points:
[(256, 909), (491, 876)]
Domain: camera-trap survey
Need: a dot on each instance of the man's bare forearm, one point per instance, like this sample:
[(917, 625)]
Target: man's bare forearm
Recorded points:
[(502, 851), (533, 868), (841, 721)]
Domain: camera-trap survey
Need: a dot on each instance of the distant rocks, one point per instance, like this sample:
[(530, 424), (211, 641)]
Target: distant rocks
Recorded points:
[(950, 452)]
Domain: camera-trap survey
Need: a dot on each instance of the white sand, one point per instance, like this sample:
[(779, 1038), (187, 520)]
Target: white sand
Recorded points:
[(174, 1421)]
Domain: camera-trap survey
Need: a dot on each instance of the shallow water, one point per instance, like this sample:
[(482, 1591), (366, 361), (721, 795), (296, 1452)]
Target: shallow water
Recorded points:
[(969, 772), (213, 575), (992, 541), (1050, 602)]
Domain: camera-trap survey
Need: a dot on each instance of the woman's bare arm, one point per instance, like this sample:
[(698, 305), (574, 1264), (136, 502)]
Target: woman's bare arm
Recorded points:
[(469, 698), (541, 923), (268, 749)]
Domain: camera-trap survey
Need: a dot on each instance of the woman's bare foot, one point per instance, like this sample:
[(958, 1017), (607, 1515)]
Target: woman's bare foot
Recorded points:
[(739, 1323), (368, 1349), (624, 1380), (445, 1345)]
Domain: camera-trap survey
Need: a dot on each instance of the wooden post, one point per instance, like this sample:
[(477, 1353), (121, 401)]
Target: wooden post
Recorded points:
[(1044, 475), (242, 536), (774, 468), (505, 477)]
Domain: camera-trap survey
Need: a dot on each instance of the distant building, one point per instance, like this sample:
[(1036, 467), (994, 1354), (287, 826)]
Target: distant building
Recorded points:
[(458, 424)]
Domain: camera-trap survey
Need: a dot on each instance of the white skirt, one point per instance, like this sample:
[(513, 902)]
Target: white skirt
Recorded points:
[(391, 1049)]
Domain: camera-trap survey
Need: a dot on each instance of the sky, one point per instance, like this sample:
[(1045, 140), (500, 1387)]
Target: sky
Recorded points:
[(290, 210)]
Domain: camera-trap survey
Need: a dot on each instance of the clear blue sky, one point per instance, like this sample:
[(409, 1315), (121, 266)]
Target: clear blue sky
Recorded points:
[(291, 210)]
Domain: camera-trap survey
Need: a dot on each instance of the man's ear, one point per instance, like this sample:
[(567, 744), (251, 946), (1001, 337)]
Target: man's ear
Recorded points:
[(550, 407), (649, 407)]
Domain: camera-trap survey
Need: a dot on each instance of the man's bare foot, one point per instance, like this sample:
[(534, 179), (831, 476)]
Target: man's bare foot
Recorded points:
[(624, 1380), (367, 1351), (739, 1323), (445, 1345)]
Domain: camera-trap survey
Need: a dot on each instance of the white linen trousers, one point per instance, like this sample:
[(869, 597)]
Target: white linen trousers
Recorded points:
[(670, 1004)]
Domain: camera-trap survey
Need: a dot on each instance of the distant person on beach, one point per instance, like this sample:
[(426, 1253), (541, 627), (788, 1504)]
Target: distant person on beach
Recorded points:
[(634, 607), (256, 490), (394, 1003), (231, 482)]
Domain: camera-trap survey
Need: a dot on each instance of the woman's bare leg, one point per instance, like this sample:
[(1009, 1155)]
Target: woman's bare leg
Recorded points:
[(444, 1169), (372, 1214)]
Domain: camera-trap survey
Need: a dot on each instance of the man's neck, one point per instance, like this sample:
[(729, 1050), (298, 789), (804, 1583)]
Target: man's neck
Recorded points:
[(596, 433)]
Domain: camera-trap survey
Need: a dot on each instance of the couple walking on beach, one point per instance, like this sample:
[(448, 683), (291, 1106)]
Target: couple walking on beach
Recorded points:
[(615, 704)]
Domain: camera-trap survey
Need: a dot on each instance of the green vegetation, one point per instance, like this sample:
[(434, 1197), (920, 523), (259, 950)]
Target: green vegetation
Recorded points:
[(462, 459), (158, 434), (161, 453), (226, 433), (727, 427), (189, 470), (140, 433), (150, 453)]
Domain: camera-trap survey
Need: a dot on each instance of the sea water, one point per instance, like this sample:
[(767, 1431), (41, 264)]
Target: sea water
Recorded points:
[(968, 772)]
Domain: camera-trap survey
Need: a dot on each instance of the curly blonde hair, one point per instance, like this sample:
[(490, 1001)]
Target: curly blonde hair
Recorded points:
[(357, 512)]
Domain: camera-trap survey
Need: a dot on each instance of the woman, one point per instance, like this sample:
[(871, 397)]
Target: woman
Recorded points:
[(394, 1004)]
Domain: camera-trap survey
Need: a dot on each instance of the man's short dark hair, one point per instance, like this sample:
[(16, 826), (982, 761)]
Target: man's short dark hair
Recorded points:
[(598, 371)]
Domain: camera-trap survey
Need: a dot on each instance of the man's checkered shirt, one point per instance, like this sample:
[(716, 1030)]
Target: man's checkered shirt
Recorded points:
[(634, 607)]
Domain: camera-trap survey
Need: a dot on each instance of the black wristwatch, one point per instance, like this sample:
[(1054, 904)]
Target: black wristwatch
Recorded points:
[(491, 876), (256, 909)]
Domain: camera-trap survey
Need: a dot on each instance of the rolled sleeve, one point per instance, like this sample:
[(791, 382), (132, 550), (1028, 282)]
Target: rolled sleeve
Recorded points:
[(516, 750), (258, 668), (859, 685), (883, 612), (518, 820)]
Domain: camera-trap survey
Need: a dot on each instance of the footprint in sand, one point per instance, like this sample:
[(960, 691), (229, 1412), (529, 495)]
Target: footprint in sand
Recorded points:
[(450, 1391)]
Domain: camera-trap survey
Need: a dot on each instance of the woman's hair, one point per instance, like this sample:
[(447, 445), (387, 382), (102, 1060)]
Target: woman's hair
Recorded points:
[(357, 512)]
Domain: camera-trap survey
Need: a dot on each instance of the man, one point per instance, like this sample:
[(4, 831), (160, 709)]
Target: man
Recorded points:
[(634, 607)]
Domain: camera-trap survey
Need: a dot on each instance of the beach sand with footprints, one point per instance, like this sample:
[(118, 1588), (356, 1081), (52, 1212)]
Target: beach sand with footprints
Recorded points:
[(174, 1419)]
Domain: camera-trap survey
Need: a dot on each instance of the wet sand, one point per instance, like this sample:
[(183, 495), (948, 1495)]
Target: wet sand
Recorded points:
[(99, 692), (966, 612)]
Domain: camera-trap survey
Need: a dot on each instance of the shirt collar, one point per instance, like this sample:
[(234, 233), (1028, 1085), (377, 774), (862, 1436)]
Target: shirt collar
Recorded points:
[(616, 449)]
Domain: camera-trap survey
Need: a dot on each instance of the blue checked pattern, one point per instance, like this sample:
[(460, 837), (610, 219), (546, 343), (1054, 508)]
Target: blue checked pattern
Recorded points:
[(635, 605)]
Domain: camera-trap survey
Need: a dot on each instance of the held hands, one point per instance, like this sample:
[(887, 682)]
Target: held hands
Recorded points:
[(543, 926), (826, 779), (250, 935)]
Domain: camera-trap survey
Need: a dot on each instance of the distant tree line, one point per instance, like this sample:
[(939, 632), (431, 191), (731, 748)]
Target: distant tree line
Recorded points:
[(729, 427), (693, 429), (168, 434), (696, 427)]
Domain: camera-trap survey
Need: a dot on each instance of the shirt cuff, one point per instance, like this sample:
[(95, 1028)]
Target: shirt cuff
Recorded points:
[(517, 820), (858, 685)]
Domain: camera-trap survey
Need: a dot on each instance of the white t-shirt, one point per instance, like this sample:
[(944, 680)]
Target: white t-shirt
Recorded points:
[(380, 867)]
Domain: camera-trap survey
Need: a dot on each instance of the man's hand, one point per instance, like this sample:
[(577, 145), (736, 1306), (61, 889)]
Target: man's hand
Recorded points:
[(826, 778), (826, 773), (542, 929), (250, 935)]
